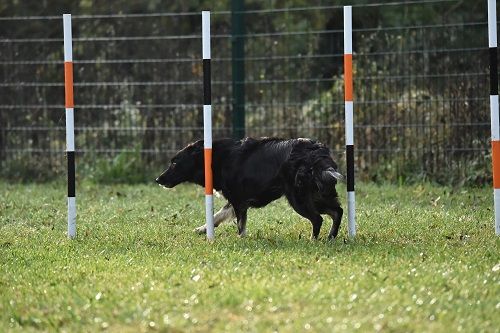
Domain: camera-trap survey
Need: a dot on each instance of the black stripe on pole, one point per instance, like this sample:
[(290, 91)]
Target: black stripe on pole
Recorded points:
[(493, 71), (71, 173), (207, 96), (350, 167)]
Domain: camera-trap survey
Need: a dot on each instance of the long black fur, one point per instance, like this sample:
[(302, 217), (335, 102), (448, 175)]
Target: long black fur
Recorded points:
[(255, 172)]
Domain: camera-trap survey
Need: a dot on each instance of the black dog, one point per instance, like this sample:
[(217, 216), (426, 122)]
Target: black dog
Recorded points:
[(254, 172)]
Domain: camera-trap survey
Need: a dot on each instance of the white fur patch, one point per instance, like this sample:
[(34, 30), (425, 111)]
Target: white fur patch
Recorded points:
[(225, 213), (201, 230), (336, 175)]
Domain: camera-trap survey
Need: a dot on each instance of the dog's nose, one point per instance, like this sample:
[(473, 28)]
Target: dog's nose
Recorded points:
[(157, 180)]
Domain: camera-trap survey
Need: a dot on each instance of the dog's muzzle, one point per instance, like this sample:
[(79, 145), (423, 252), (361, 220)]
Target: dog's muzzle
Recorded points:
[(157, 180), (162, 184)]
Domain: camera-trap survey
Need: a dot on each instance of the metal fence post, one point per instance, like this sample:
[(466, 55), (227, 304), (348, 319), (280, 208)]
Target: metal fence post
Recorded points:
[(238, 66)]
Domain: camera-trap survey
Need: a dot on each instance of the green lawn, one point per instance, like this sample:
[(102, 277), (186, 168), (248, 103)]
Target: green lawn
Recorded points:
[(425, 259)]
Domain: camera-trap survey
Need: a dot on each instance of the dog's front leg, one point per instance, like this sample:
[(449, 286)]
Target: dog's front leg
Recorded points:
[(225, 213)]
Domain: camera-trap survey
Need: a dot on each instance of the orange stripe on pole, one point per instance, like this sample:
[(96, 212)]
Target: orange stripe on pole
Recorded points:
[(495, 156), (348, 77), (208, 171), (68, 83)]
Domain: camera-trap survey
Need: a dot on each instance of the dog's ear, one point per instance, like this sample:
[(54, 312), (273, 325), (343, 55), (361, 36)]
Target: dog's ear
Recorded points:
[(196, 148)]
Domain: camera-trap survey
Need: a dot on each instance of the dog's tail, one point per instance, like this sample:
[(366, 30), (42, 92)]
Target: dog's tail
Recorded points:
[(327, 179), (331, 173)]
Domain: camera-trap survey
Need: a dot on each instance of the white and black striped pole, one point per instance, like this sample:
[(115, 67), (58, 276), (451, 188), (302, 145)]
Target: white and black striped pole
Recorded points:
[(70, 127), (349, 115), (207, 125), (495, 117)]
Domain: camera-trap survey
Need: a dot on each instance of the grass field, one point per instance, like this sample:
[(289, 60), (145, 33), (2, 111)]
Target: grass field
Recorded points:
[(425, 260)]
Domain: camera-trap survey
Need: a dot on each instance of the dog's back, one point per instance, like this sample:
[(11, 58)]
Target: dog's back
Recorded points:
[(259, 171), (252, 172)]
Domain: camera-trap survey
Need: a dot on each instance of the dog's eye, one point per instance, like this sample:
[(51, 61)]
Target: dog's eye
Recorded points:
[(173, 165)]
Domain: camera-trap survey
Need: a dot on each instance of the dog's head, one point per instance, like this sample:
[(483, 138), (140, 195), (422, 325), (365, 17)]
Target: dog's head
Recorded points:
[(185, 166)]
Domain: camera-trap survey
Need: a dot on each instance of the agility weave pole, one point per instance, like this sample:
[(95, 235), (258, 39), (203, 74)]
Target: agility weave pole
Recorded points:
[(495, 118), (70, 127), (207, 125), (349, 115)]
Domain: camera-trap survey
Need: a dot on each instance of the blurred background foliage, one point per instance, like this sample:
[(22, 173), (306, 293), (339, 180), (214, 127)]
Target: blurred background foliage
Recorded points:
[(421, 84)]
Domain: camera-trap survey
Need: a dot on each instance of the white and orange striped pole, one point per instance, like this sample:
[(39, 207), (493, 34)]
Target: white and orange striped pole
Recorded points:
[(495, 118), (70, 127), (207, 125), (349, 115)]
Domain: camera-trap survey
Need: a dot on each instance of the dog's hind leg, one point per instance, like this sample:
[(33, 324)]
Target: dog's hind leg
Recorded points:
[(225, 213), (316, 221), (329, 204), (305, 211), (241, 216), (336, 215)]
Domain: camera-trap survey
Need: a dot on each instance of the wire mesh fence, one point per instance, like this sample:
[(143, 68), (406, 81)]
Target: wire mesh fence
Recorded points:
[(420, 84)]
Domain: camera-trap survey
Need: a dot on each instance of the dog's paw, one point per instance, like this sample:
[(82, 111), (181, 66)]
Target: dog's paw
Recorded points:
[(331, 239), (201, 230)]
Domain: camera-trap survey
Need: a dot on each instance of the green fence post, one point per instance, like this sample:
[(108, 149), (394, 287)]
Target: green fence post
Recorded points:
[(238, 66)]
